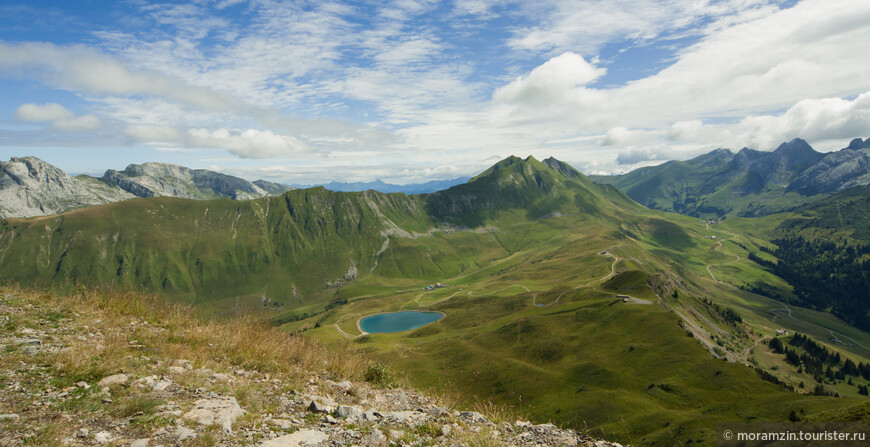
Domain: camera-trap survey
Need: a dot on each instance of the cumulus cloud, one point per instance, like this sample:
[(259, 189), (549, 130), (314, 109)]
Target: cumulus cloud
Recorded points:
[(812, 119), (251, 143), (45, 112), (620, 136), (635, 156), (549, 82), (60, 117), (77, 124), (685, 130)]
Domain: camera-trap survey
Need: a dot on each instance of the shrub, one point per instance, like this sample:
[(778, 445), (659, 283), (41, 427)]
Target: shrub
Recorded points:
[(380, 375)]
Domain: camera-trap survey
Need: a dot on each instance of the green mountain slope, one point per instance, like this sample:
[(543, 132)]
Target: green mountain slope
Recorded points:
[(297, 246), (748, 183)]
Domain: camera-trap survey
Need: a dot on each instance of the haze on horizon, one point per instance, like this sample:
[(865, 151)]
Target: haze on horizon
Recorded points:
[(416, 90)]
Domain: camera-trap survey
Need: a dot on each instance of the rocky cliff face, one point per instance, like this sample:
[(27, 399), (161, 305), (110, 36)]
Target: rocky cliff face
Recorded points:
[(31, 187), (836, 171), (162, 179)]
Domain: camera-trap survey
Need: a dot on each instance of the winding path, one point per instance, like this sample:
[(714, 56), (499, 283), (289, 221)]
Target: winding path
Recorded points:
[(836, 335), (724, 263), (616, 259), (342, 332)]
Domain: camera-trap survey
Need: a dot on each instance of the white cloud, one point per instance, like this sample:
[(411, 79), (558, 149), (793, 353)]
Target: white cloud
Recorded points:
[(251, 143), (620, 136), (635, 156), (811, 119), (587, 25), (61, 118), (77, 124), (685, 130), (82, 69), (567, 73), (46, 112)]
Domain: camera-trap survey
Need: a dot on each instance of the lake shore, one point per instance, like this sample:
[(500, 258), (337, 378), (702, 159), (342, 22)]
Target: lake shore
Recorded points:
[(360, 319)]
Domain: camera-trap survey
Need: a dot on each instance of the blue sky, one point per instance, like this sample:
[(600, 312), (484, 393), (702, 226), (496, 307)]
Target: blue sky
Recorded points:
[(415, 90)]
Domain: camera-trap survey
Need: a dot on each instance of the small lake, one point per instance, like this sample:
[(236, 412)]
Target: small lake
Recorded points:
[(398, 321)]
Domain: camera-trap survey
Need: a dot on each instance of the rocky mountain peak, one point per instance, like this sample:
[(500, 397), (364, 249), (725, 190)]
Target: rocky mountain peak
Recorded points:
[(33, 169), (796, 146), (158, 170), (857, 143), (31, 187)]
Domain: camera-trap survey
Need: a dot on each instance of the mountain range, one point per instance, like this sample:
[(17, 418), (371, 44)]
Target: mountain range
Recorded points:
[(562, 296), (749, 182), (381, 186), (31, 187)]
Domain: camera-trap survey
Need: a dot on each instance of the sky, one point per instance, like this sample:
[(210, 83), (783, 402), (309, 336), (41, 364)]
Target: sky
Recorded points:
[(408, 91)]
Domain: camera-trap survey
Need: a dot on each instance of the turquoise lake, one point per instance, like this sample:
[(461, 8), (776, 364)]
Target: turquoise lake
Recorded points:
[(398, 321)]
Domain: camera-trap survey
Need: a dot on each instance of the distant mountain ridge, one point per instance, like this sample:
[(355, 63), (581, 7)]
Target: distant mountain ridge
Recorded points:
[(31, 187), (381, 186), (163, 179), (748, 183)]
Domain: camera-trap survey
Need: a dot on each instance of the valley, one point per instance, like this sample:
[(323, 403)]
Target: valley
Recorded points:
[(563, 298)]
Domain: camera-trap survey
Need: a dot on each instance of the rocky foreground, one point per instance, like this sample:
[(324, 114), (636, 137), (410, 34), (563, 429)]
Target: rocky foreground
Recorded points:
[(107, 370)]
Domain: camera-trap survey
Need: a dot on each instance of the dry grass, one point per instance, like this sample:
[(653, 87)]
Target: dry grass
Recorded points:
[(176, 333), (482, 439)]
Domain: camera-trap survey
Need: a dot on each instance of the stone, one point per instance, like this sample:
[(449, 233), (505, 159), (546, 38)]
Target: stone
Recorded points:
[(103, 437), (140, 442), (11, 417), (331, 420), (117, 379), (28, 342), (176, 370), (222, 411), (162, 385), (146, 382), (181, 433), (375, 439), (371, 415), (396, 434), (301, 438), (473, 416), (346, 411), (445, 430), (318, 406), (399, 416), (183, 363), (522, 424), (283, 423), (566, 440), (83, 385), (82, 433), (221, 377)]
